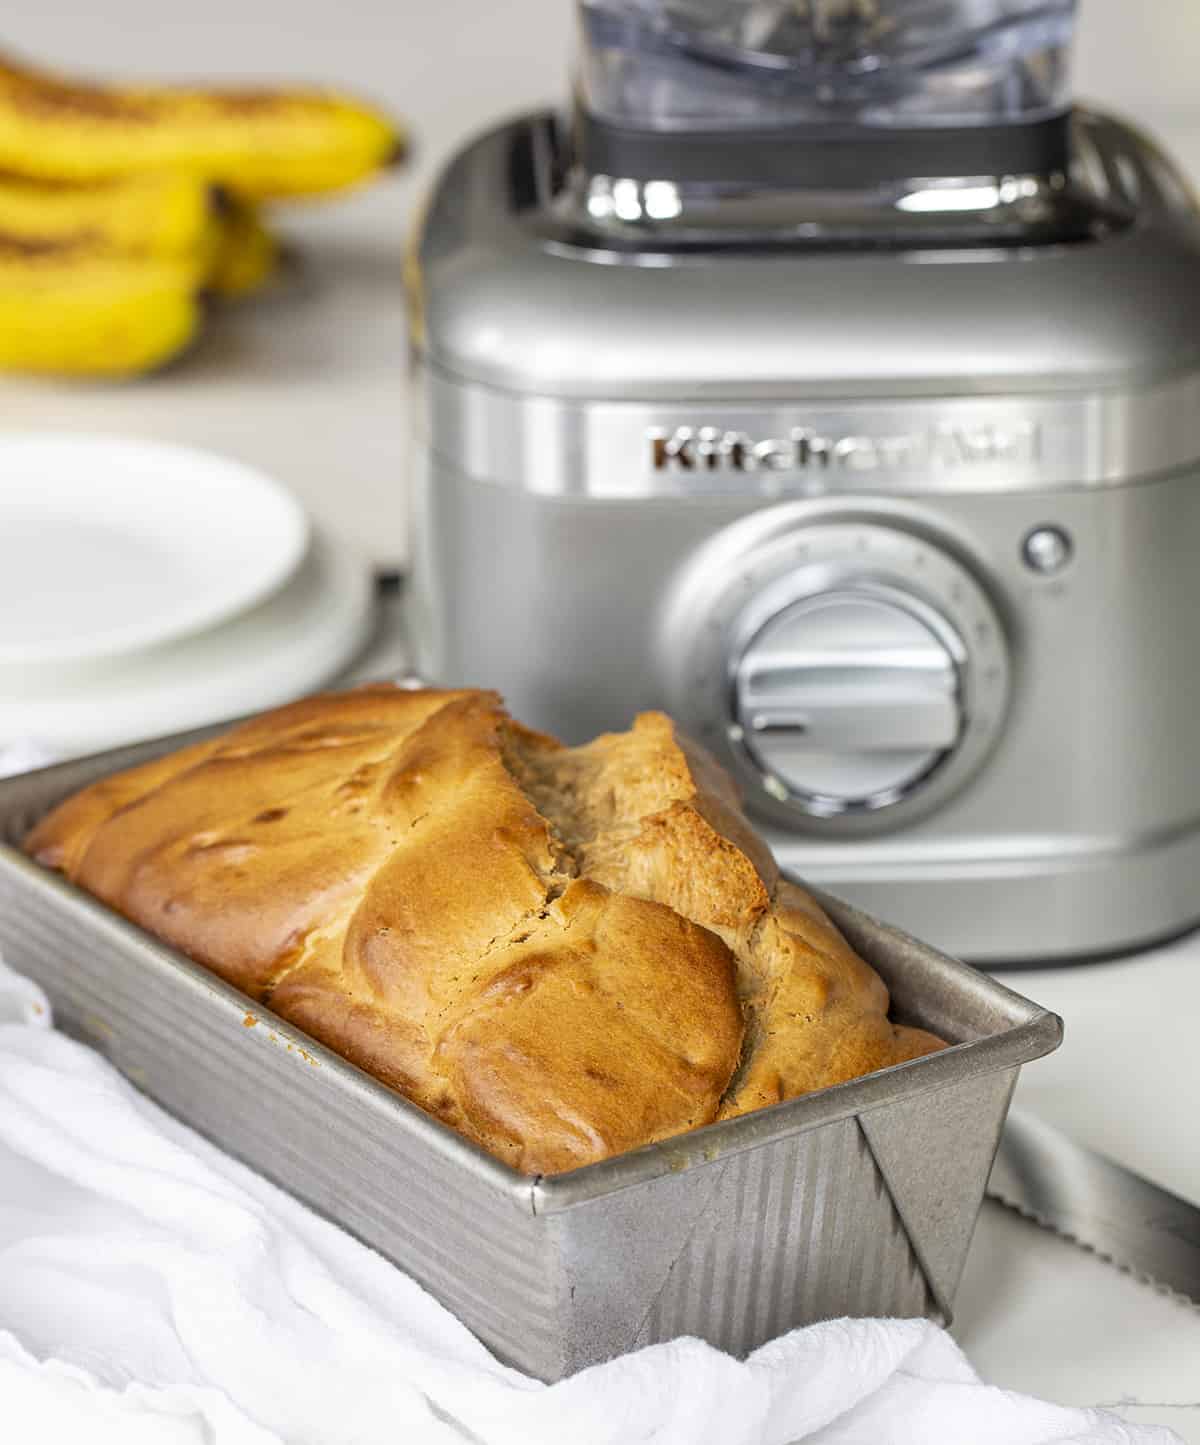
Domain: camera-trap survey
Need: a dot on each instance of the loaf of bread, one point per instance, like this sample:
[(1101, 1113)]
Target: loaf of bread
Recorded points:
[(563, 953)]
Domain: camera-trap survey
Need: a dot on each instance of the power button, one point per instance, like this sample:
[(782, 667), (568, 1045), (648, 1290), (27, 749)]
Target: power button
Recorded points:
[(1047, 550)]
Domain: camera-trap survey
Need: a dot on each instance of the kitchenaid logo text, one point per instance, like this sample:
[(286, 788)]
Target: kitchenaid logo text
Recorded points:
[(713, 449)]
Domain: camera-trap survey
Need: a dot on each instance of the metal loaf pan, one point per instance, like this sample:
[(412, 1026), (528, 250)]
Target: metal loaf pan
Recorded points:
[(859, 1200)]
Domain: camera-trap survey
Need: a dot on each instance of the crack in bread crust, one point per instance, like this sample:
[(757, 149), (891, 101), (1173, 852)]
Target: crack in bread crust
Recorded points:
[(651, 815)]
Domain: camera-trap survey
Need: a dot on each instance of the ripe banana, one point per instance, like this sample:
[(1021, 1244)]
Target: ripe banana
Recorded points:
[(79, 308), (260, 143), (247, 255), (166, 214)]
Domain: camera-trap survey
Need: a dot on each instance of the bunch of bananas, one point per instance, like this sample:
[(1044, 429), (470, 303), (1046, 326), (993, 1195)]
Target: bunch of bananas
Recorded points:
[(121, 208)]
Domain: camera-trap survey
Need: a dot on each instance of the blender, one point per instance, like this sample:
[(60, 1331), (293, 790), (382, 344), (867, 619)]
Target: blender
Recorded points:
[(827, 378)]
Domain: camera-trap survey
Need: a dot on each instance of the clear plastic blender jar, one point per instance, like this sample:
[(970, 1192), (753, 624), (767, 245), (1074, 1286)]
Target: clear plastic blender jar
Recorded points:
[(678, 65)]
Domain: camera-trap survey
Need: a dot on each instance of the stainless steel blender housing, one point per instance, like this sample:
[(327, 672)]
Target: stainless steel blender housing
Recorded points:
[(907, 533)]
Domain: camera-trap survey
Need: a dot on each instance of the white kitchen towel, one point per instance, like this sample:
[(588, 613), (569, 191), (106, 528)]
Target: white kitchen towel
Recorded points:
[(154, 1290)]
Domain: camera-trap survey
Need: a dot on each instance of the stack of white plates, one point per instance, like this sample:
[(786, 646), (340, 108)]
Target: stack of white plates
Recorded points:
[(148, 588)]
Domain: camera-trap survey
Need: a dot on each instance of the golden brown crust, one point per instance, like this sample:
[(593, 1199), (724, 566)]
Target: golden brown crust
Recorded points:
[(562, 952), (551, 1059)]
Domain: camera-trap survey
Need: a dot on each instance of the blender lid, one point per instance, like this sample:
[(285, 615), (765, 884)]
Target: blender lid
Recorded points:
[(822, 92)]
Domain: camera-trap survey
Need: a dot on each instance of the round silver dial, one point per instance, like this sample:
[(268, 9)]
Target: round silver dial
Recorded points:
[(853, 671), (849, 698)]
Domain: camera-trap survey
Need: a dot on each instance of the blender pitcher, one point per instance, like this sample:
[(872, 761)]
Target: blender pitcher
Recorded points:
[(827, 93)]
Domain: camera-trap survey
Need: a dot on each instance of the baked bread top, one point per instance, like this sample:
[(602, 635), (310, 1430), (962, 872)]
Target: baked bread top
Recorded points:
[(564, 953)]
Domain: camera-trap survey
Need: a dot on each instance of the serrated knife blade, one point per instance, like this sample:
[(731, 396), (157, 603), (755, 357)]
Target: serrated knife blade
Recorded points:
[(1099, 1204)]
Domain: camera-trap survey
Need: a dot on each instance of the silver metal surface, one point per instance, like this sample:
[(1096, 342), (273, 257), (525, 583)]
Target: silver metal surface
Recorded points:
[(1098, 1204), (846, 699), (859, 1200), (501, 298), (918, 734), (659, 212), (812, 445)]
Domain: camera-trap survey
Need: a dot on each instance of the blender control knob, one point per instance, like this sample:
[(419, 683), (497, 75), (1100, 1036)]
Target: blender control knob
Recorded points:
[(848, 698), (849, 667)]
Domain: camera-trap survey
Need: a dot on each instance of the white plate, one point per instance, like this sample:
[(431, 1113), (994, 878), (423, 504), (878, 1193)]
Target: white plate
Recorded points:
[(108, 545), (299, 640)]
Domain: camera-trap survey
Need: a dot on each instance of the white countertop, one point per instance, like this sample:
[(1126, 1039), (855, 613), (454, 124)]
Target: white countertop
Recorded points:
[(1040, 1315), (310, 384)]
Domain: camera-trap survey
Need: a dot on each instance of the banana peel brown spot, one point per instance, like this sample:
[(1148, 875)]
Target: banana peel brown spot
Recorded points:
[(43, 98), (250, 102), (30, 248)]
